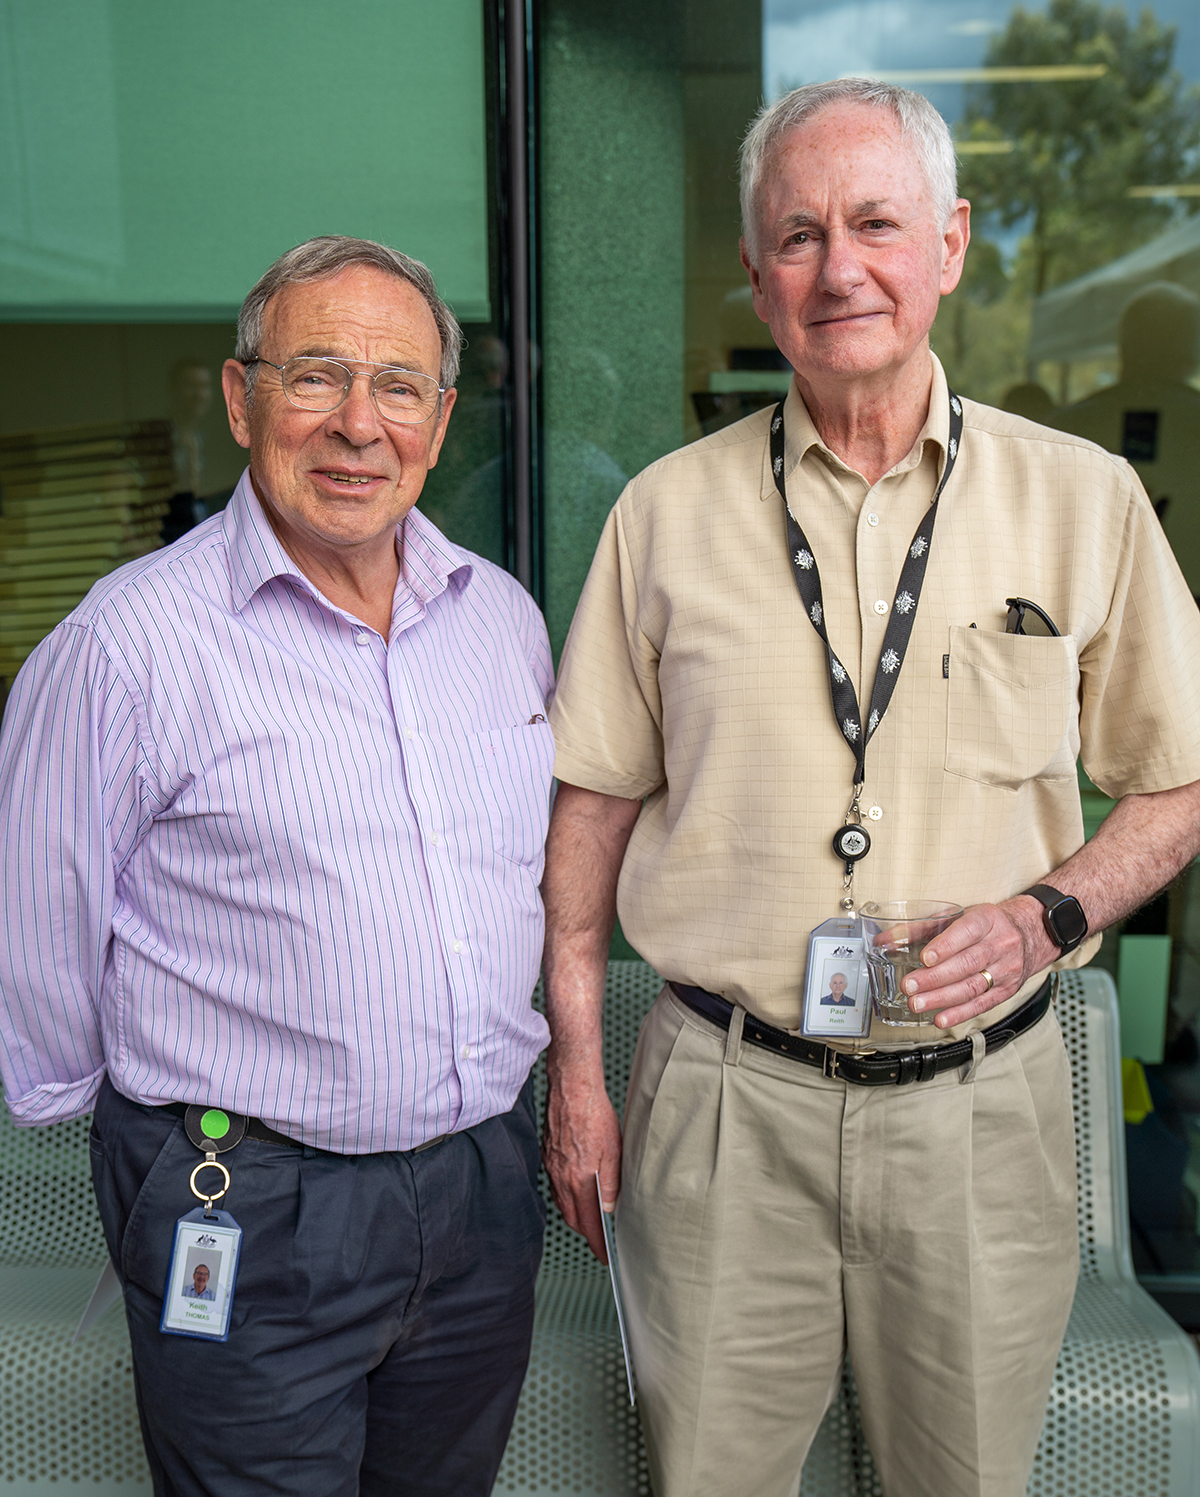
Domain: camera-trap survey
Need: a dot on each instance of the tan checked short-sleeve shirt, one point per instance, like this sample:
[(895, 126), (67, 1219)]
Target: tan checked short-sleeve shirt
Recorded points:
[(693, 678)]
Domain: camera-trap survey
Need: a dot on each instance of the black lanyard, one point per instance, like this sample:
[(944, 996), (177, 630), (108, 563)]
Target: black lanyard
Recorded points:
[(852, 843)]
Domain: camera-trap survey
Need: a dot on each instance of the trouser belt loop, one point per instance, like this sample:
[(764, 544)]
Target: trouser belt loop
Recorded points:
[(733, 1040), (978, 1051)]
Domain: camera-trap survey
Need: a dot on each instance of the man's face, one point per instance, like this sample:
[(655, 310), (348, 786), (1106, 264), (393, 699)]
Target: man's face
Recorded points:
[(341, 478), (852, 256), (837, 985), (200, 1279)]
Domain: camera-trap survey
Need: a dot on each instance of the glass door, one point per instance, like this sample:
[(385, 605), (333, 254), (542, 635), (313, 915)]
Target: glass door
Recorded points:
[(1078, 131)]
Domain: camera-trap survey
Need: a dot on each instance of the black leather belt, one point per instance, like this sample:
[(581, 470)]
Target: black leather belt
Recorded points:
[(256, 1128), (868, 1067)]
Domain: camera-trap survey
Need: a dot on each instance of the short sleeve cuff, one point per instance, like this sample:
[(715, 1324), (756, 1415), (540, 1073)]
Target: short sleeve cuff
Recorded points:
[(573, 769)]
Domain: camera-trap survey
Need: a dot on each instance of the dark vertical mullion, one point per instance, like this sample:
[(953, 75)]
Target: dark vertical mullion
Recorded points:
[(516, 135)]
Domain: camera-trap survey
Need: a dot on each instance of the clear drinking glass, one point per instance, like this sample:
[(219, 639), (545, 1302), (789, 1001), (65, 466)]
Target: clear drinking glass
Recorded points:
[(894, 936)]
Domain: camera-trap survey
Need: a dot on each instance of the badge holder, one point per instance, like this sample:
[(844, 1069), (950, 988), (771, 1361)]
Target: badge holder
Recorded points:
[(198, 1300), (837, 1001)]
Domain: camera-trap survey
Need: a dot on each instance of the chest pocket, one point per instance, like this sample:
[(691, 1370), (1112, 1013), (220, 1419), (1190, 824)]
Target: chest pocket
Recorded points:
[(516, 766), (1013, 708)]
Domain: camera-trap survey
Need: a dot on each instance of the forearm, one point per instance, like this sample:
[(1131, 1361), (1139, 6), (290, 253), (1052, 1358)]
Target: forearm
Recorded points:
[(987, 956), (1144, 843), (586, 844), (588, 836)]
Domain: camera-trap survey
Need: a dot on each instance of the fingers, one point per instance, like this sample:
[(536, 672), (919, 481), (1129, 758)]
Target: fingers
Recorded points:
[(582, 1138), (983, 943)]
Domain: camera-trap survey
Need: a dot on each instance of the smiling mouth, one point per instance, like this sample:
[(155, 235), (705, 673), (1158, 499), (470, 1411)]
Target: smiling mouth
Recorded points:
[(350, 478)]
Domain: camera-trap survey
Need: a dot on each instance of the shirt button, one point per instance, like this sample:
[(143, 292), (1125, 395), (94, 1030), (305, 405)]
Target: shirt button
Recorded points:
[(466, 1052), (875, 813), (408, 733), (362, 639), (435, 839), (457, 946), (881, 605), (872, 518)]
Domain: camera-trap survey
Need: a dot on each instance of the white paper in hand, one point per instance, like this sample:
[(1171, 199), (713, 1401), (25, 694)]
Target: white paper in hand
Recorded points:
[(107, 1292), (614, 1275)]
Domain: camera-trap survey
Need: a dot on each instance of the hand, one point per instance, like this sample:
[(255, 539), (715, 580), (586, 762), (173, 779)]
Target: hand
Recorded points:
[(582, 1135), (1007, 940)]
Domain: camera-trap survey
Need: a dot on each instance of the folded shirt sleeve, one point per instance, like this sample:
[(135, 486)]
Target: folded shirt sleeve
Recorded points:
[(607, 713), (1140, 698)]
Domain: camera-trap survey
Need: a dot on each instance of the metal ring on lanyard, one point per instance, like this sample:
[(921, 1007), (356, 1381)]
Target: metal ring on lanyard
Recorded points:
[(209, 1164)]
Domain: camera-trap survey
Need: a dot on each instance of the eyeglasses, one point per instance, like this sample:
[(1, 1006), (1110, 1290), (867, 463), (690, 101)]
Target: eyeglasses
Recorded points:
[(1027, 618), (400, 395)]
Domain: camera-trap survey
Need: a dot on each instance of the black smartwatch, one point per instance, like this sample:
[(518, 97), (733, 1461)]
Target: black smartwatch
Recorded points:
[(1063, 917)]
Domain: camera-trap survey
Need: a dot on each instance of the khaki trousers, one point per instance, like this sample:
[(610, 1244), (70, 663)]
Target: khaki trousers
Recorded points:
[(772, 1220)]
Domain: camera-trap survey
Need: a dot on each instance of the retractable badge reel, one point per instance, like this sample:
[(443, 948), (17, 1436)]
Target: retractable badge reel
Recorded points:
[(836, 1002), (198, 1300)]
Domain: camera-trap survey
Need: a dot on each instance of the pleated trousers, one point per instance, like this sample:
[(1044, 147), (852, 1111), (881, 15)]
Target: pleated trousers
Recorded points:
[(773, 1220)]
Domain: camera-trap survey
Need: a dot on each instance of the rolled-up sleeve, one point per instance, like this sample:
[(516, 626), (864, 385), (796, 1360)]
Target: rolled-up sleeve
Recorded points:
[(73, 805)]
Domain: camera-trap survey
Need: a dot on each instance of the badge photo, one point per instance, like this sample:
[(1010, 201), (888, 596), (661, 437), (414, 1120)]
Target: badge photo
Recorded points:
[(202, 1276), (837, 1001)]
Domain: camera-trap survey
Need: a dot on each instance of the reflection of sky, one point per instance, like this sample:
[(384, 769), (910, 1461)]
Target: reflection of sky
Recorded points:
[(808, 40)]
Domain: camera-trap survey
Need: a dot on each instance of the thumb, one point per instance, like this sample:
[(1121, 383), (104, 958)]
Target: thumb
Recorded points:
[(608, 1181)]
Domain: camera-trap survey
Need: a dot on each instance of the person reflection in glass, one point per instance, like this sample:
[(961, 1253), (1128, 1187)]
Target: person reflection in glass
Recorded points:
[(1152, 414)]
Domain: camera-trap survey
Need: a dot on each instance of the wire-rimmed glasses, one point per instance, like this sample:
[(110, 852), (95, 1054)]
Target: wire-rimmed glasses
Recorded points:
[(404, 396)]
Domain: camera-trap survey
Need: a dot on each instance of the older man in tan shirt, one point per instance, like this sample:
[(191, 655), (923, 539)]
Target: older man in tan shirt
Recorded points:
[(910, 1196)]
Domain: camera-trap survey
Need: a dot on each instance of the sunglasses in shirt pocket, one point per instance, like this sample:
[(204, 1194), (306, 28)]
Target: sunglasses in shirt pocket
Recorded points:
[(516, 768), (1012, 713)]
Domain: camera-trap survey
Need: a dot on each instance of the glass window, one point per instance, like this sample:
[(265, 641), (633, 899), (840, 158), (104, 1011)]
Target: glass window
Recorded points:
[(153, 162), (1078, 131)]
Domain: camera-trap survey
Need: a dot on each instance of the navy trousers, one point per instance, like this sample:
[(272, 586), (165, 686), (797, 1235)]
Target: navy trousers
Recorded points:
[(382, 1317)]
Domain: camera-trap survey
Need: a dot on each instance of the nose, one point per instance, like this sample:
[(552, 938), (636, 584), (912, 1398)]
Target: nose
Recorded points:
[(357, 418), (842, 271)]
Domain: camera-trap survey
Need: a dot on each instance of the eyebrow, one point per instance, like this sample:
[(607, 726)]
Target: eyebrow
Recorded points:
[(805, 218), (316, 351)]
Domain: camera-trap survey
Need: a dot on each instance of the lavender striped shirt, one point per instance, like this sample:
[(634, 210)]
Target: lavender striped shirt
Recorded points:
[(255, 856)]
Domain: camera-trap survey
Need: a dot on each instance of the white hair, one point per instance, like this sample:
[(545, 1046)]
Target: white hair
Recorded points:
[(920, 125), (321, 258)]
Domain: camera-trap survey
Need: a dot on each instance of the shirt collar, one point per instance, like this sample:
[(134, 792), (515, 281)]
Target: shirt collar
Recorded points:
[(802, 434), (429, 562)]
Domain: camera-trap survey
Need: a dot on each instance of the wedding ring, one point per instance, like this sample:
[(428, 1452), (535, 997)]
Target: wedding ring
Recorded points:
[(990, 978)]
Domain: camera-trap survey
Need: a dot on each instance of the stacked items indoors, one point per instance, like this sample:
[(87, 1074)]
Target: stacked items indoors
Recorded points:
[(74, 503)]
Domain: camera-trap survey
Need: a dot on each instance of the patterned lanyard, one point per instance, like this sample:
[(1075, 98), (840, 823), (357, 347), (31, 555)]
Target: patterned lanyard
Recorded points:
[(852, 842)]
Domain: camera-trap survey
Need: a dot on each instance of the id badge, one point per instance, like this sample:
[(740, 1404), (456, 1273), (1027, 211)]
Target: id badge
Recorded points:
[(203, 1272), (837, 1001)]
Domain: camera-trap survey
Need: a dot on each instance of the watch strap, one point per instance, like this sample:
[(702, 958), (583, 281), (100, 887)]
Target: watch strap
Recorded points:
[(1053, 899)]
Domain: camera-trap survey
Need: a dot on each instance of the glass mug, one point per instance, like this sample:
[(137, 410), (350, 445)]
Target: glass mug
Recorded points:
[(895, 935)]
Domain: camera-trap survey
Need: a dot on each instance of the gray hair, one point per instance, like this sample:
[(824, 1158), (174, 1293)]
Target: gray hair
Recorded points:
[(317, 260), (920, 125)]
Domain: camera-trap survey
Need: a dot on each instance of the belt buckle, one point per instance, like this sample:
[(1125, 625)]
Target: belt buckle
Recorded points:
[(829, 1063)]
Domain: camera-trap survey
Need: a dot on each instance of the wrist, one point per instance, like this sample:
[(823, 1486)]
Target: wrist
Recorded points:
[(572, 1076), (1063, 918)]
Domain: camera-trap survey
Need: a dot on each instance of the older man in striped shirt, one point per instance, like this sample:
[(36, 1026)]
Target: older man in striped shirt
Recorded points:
[(274, 802)]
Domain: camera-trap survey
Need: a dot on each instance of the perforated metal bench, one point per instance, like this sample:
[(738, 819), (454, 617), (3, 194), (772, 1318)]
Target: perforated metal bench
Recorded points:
[(1123, 1419)]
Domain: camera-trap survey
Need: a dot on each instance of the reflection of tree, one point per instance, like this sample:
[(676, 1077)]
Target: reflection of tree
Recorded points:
[(1080, 145), (1077, 147)]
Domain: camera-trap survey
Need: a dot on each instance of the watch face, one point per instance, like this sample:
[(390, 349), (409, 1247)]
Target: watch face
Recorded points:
[(1068, 922)]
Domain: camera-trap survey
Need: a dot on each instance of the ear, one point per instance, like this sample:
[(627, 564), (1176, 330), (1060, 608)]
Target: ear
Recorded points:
[(439, 435), (233, 383), (755, 281), (955, 239)]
